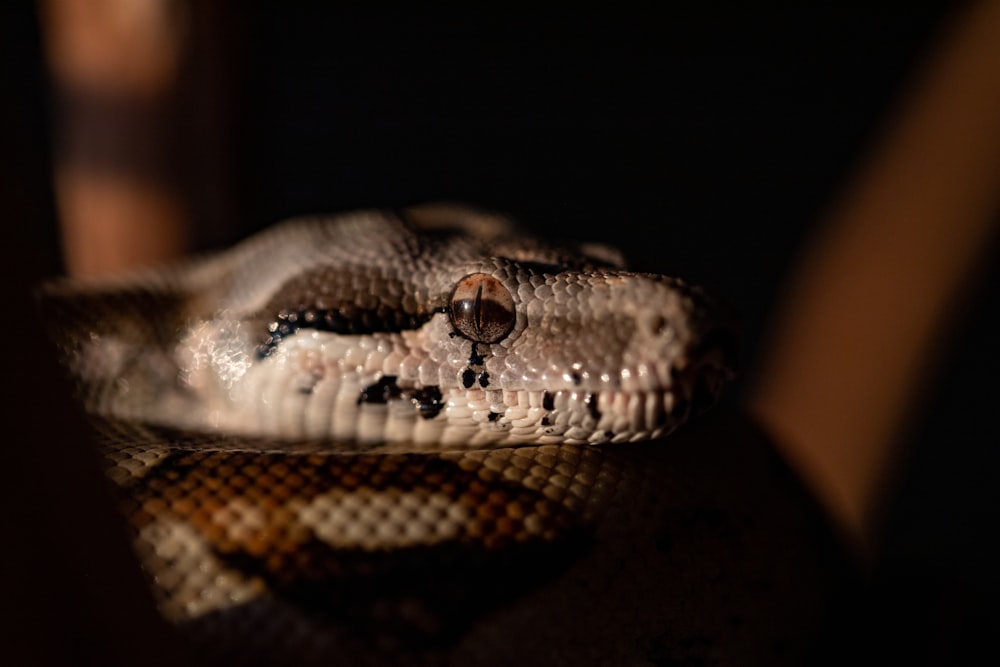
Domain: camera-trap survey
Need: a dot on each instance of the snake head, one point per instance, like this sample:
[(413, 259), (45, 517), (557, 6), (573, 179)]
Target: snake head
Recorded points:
[(588, 353), (435, 328)]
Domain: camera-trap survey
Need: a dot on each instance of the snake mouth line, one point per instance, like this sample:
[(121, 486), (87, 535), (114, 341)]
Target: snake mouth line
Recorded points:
[(579, 417)]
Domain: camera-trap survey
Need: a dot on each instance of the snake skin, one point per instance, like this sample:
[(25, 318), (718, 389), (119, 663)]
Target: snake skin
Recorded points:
[(338, 329), (319, 465)]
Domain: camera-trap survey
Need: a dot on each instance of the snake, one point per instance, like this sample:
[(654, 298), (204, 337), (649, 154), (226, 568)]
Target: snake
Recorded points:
[(379, 436)]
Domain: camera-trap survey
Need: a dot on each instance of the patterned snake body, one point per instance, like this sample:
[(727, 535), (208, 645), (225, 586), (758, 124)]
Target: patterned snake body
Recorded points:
[(349, 329), (373, 429)]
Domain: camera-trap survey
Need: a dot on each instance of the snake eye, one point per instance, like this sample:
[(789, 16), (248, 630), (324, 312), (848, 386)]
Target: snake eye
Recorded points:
[(482, 309)]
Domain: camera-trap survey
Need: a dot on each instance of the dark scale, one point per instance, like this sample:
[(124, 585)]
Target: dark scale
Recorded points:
[(308, 389), (548, 401), (427, 400), (346, 320), (591, 402), (475, 359), (469, 376), (381, 392)]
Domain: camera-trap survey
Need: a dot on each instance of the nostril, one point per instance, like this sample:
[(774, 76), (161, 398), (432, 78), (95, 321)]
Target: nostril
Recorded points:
[(658, 325)]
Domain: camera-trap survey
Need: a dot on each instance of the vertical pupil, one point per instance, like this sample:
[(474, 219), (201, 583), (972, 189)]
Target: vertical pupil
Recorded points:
[(477, 309), (482, 309)]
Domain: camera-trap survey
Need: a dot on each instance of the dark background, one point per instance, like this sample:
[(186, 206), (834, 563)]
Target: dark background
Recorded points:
[(705, 141)]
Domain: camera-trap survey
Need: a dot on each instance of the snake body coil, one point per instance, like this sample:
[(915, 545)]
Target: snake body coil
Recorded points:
[(360, 422)]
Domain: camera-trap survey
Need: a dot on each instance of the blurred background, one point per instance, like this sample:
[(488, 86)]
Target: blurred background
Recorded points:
[(705, 141)]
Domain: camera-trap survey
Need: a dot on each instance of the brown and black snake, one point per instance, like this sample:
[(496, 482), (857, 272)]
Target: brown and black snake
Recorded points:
[(415, 437)]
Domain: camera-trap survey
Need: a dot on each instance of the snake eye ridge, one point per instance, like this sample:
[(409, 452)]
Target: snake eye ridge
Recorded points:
[(482, 309)]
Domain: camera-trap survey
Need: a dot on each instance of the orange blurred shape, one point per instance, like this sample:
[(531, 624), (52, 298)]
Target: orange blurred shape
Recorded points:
[(875, 292), (114, 66)]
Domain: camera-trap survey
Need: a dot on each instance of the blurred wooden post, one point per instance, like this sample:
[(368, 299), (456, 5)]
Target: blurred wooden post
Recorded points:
[(114, 66), (875, 292)]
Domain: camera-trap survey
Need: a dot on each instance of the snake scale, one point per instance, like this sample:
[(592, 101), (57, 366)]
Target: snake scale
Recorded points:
[(407, 436)]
